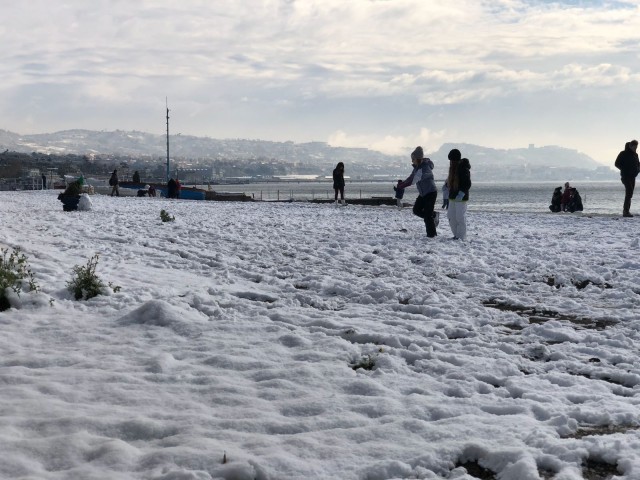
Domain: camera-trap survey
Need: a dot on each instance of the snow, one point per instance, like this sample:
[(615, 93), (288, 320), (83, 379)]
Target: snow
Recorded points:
[(229, 350)]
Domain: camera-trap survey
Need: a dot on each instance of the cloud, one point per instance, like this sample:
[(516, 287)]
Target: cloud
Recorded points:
[(389, 144), (230, 66)]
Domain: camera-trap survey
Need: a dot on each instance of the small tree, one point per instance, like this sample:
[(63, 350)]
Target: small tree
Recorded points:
[(85, 283), (14, 270), (165, 217)]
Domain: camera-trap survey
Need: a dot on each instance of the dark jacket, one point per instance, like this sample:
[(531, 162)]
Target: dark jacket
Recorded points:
[(627, 162), (114, 179), (556, 200), (464, 180), (338, 178), (575, 203), (172, 189)]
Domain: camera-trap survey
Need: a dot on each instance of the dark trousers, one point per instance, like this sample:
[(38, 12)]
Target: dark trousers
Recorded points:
[(339, 190), (629, 186), (423, 208)]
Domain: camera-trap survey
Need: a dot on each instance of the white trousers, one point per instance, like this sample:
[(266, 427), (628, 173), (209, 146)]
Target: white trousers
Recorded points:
[(457, 214)]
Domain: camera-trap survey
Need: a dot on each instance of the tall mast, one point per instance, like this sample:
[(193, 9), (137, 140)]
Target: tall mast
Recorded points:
[(167, 105)]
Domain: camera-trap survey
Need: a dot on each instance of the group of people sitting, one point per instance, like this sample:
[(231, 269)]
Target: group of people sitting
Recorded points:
[(567, 201), (147, 191)]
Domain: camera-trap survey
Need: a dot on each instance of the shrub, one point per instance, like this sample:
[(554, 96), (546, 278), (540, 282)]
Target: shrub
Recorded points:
[(14, 270), (165, 217), (85, 283)]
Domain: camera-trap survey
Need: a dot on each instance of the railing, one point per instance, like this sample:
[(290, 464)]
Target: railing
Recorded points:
[(25, 183)]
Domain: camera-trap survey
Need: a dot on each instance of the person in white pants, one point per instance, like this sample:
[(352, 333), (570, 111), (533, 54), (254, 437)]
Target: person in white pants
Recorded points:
[(459, 181)]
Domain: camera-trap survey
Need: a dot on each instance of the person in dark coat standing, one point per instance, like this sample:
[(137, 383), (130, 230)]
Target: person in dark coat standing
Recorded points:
[(627, 163), (114, 182), (172, 189), (338, 182), (136, 177)]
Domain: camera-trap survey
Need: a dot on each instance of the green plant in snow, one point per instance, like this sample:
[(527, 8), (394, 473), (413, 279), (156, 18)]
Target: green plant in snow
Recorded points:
[(14, 271), (85, 283), (368, 362), (165, 217)]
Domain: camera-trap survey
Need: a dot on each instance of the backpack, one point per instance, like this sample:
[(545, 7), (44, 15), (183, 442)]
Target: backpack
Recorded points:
[(112, 181), (618, 163)]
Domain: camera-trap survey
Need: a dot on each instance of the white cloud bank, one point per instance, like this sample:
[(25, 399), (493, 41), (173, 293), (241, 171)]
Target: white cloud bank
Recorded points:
[(502, 74)]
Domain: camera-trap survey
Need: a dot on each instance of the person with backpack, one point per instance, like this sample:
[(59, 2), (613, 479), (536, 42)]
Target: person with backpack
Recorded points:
[(422, 177), (629, 166), (113, 181), (459, 181)]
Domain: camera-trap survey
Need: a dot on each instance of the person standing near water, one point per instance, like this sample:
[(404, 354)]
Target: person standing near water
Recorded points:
[(114, 182), (338, 182), (627, 163), (459, 181)]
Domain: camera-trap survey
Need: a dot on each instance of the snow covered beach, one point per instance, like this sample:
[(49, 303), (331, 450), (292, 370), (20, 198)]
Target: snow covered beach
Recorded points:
[(231, 350)]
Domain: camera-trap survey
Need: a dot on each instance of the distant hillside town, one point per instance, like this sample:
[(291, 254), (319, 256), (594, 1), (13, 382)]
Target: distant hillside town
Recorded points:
[(208, 160)]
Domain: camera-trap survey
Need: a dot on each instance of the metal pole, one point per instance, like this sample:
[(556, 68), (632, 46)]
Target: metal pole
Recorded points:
[(167, 105)]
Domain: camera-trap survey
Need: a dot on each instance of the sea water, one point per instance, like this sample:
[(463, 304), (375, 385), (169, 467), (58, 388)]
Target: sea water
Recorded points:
[(597, 197)]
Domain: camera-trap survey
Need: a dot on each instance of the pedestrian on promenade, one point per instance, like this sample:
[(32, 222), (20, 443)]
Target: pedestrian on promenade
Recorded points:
[(627, 163), (338, 182)]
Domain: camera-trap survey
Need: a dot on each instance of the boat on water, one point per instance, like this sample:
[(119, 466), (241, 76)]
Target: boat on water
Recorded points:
[(186, 193)]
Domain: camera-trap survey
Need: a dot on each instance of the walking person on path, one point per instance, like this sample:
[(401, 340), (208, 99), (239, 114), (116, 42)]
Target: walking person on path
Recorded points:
[(422, 178), (459, 181), (338, 182), (627, 163), (113, 181)]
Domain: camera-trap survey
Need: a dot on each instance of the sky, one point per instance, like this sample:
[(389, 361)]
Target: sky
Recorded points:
[(316, 351), (379, 74)]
